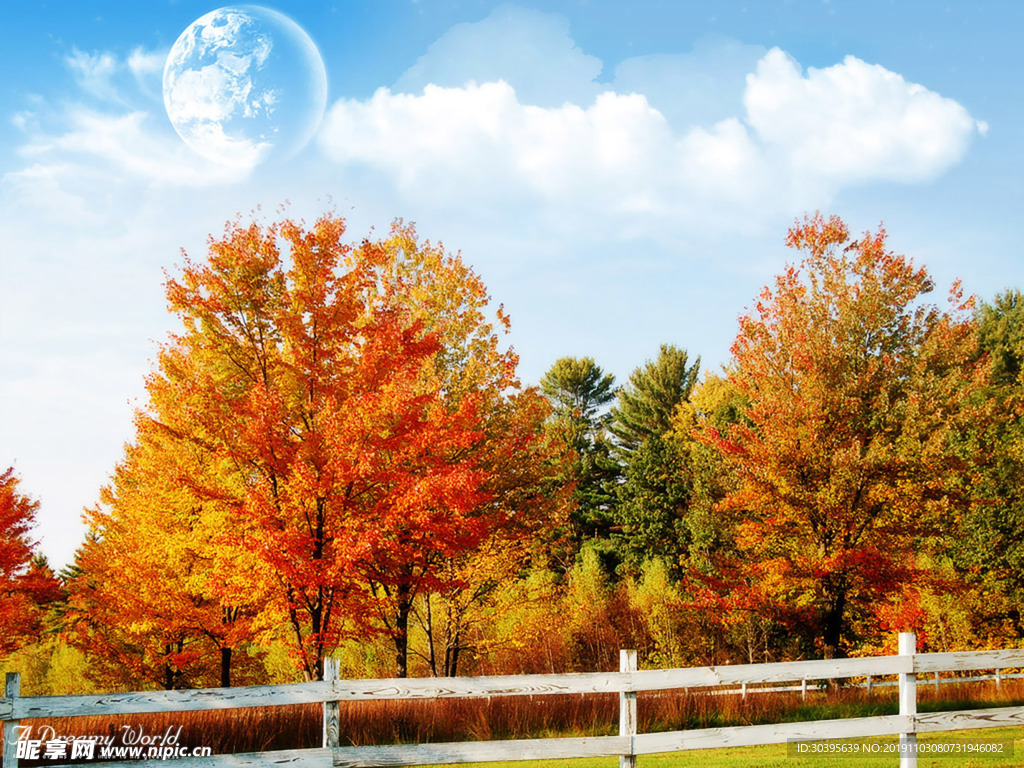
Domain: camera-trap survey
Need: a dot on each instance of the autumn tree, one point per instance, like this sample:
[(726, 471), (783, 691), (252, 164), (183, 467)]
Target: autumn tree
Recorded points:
[(518, 467), (27, 585), (352, 411), (145, 598), (129, 642), (845, 456), (526, 469), (717, 590)]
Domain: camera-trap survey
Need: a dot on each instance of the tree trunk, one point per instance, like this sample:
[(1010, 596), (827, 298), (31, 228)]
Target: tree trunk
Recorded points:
[(403, 607), (168, 677), (172, 675), (430, 638), (225, 667), (832, 632), (453, 670)]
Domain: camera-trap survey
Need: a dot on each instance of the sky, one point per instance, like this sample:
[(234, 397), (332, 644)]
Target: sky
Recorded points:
[(621, 175)]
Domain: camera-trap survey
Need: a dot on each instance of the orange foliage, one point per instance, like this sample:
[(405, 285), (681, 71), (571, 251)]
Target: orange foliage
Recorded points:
[(144, 599), (334, 424), (845, 453)]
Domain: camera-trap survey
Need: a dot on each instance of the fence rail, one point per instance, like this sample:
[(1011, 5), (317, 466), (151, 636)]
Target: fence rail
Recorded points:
[(627, 683)]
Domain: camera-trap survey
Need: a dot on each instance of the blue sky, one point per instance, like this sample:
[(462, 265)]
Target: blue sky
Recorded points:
[(621, 174)]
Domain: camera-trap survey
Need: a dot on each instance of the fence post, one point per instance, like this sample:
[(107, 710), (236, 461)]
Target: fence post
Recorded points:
[(627, 709), (869, 685), (12, 689), (999, 677), (908, 702), (936, 683), (803, 688), (332, 709)]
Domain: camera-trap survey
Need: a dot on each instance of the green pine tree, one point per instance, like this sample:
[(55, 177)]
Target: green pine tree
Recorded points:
[(648, 402), (579, 390), (988, 544), (654, 495)]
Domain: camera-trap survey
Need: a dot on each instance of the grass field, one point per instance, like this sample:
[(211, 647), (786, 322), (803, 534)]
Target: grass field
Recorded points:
[(776, 756)]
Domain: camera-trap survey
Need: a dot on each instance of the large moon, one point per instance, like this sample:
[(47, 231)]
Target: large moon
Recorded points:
[(245, 84)]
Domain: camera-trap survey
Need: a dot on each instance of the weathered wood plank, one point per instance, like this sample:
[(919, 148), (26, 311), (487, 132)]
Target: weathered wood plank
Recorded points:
[(968, 660), (169, 701), (12, 689), (332, 710), (284, 758), (776, 733), (968, 719), (479, 751), (703, 677), (497, 685), (612, 682), (317, 692)]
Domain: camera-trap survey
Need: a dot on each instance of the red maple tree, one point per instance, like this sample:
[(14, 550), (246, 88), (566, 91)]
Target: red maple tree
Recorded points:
[(27, 585)]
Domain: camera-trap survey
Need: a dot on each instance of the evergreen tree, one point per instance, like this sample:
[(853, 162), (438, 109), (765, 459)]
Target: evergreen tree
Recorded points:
[(654, 498), (578, 390), (646, 405), (989, 545), (654, 495), (1001, 333)]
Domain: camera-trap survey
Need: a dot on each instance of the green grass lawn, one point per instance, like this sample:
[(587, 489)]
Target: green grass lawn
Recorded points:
[(775, 755)]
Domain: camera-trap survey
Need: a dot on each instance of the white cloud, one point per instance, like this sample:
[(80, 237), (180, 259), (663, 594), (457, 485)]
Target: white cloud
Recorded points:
[(94, 72), (508, 112), (147, 68), (117, 80), (125, 144), (39, 187), (853, 122), (800, 140), (144, 63), (479, 143), (75, 146)]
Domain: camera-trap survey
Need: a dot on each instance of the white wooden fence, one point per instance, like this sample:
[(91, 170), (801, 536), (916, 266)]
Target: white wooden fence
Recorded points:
[(627, 682)]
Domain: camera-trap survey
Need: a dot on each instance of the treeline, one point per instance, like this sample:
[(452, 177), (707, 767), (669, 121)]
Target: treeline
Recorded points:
[(337, 459)]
